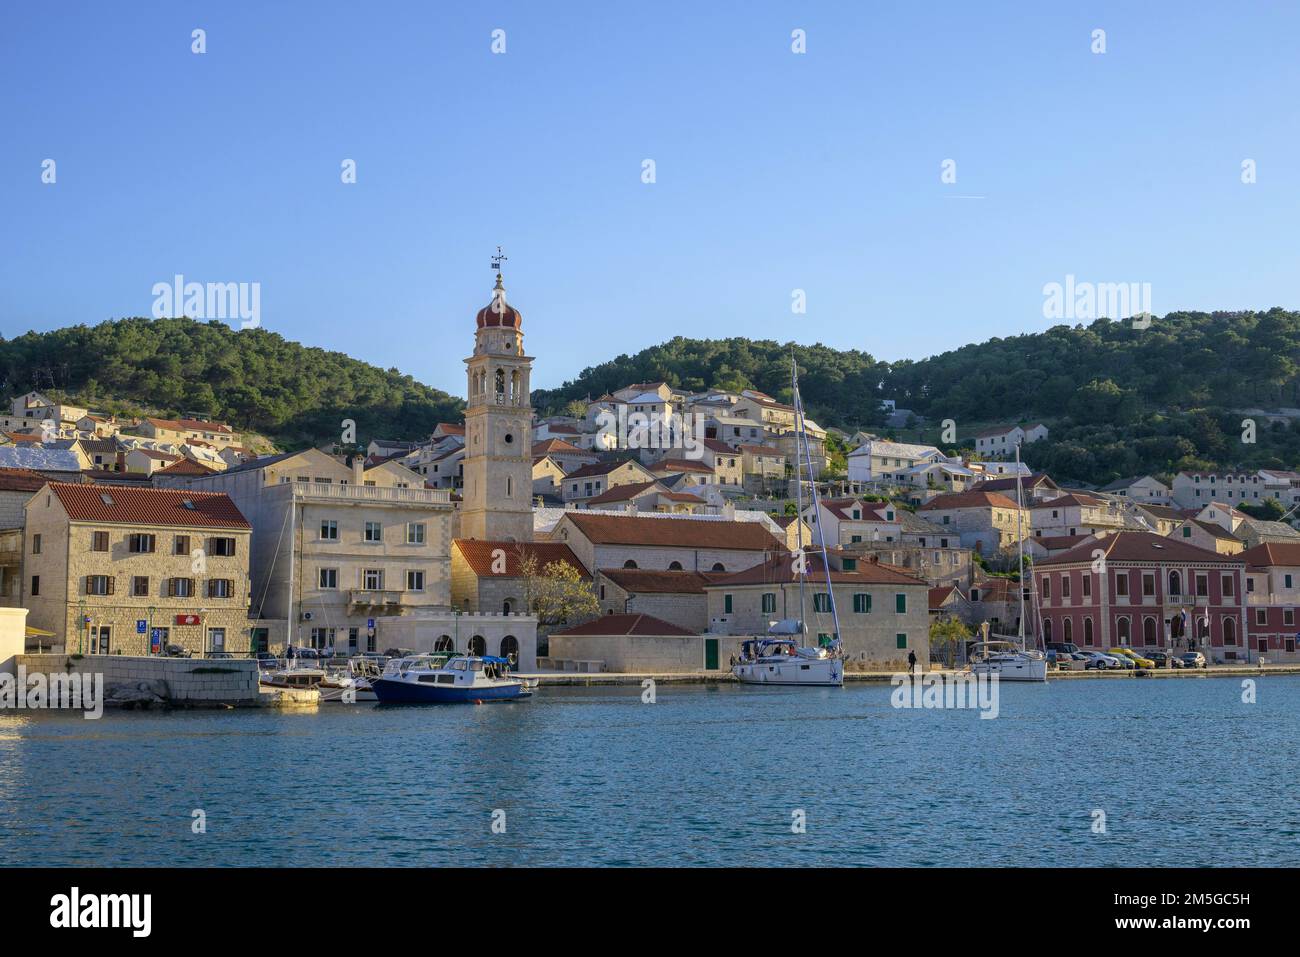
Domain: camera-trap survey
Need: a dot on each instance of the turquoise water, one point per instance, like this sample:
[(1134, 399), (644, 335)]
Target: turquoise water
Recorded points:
[(1185, 772)]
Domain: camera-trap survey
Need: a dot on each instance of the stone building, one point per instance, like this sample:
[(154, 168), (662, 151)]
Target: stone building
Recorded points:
[(676, 596), (988, 522), (115, 569), (488, 576), (883, 611), (665, 542)]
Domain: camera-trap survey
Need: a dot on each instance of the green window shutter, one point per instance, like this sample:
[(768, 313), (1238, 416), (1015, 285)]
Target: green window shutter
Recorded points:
[(850, 564), (901, 639), (900, 604), (726, 604)]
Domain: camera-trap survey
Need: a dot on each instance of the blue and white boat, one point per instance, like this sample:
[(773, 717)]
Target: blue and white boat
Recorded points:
[(447, 679)]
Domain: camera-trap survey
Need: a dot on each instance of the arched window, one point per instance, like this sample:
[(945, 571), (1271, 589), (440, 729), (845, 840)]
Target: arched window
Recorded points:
[(1175, 583), (675, 567), (478, 645), (1229, 631), (719, 567), (1149, 631), (444, 644), (1047, 629), (629, 564), (510, 648), (1087, 631), (1067, 630), (514, 387), (1121, 629), (501, 385), (505, 607)]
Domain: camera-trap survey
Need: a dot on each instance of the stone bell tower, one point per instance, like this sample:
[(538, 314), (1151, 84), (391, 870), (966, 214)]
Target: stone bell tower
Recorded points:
[(498, 493)]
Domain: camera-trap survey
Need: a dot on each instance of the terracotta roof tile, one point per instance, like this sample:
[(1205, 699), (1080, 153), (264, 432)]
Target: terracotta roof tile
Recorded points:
[(604, 529), (127, 505), (972, 499), (626, 626), (479, 555)]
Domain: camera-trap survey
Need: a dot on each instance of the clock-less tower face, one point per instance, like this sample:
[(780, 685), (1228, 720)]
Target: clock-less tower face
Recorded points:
[(498, 461)]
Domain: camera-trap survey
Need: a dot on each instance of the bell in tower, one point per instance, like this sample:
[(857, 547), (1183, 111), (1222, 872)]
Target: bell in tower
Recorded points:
[(498, 463)]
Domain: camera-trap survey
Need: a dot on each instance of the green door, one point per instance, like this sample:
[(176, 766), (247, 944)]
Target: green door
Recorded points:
[(711, 654)]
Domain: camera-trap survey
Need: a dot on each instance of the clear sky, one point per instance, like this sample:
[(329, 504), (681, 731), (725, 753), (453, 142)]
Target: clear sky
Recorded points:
[(775, 171)]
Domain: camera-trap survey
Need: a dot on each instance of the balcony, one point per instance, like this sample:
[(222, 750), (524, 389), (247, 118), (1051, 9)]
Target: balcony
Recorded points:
[(368, 494), (362, 599)]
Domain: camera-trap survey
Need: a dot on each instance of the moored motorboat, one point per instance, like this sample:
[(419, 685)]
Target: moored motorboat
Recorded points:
[(443, 679)]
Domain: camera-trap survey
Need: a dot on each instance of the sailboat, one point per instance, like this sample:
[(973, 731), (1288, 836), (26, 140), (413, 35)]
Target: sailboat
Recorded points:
[(783, 656), (1011, 660)]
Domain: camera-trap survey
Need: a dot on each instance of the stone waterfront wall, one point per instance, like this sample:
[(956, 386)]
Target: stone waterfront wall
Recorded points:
[(182, 681)]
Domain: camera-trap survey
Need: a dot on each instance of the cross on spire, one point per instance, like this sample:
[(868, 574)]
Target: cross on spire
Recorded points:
[(497, 260)]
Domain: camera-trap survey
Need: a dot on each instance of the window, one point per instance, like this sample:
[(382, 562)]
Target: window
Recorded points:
[(1149, 631), (374, 532), (1229, 631), (352, 638), (1175, 584), (36, 544), (1287, 580), (181, 545), (901, 640), (1087, 585), (140, 543), (1148, 585), (1065, 585), (372, 579), (1227, 586), (1261, 616), (140, 586), (221, 588), (822, 602), (1288, 616), (850, 564), (1187, 531), (769, 603), (862, 603), (1121, 584), (718, 567), (1122, 630), (221, 547), (329, 530), (726, 604), (99, 541), (629, 564), (1202, 585), (180, 588), (675, 566), (415, 582), (36, 585), (1047, 587), (900, 604), (415, 533), (99, 584), (329, 578), (1067, 630), (1087, 629)]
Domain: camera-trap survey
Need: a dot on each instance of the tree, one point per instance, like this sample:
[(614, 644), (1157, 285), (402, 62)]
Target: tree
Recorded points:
[(556, 592), (947, 634)]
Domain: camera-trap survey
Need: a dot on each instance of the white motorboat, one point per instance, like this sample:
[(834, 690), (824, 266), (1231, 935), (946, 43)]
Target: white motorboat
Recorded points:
[(438, 679)]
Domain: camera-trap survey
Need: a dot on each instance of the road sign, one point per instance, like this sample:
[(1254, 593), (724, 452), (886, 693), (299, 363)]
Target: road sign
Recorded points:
[(155, 641), (141, 626), (370, 623)]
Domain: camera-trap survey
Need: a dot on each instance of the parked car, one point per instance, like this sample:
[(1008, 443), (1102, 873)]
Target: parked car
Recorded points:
[(1164, 659), (177, 651), (1062, 647), (1100, 661), (1138, 660), (1193, 659)]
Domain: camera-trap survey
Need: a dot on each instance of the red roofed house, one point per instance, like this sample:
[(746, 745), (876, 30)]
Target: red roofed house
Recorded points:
[(102, 558), (181, 431), (665, 542), (592, 480), (568, 455), (883, 611), (1272, 596), (1133, 588), (1075, 513), (632, 643), (489, 576), (988, 522)]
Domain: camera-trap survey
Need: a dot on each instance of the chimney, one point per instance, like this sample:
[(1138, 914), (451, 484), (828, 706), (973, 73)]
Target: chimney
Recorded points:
[(358, 469)]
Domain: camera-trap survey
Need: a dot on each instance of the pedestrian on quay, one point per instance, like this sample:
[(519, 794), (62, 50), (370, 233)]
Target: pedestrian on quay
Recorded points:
[(911, 660)]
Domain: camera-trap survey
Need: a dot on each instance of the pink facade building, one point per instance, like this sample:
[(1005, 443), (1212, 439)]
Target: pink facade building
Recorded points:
[(1141, 590)]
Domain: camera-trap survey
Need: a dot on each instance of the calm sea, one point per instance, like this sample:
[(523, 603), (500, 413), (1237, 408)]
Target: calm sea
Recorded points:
[(1183, 771)]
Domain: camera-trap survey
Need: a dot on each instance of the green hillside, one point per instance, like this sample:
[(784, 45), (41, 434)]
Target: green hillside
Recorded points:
[(250, 378)]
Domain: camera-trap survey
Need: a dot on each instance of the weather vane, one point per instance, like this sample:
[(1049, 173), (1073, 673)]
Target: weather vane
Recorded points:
[(498, 259)]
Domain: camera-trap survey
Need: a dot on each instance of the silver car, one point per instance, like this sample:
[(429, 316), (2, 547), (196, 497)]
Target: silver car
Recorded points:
[(1097, 660)]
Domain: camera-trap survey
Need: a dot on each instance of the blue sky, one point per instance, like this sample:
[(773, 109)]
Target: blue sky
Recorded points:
[(775, 171)]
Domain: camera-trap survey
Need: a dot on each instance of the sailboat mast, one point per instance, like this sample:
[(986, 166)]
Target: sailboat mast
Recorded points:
[(816, 501), (1020, 549)]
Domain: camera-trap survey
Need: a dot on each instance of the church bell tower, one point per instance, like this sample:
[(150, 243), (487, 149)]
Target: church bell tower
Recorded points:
[(498, 490)]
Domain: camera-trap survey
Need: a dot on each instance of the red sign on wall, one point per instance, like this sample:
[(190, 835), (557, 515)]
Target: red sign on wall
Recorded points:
[(187, 619)]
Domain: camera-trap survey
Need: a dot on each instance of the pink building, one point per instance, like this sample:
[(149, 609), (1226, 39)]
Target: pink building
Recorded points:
[(1141, 590), (1272, 596)]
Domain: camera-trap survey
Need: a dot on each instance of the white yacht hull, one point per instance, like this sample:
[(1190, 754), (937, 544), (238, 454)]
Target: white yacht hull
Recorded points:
[(816, 672), (1013, 669)]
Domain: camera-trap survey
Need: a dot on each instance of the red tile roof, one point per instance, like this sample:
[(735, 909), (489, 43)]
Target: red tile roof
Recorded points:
[(603, 468), (186, 467), (1071, 498), (479, 555), (972, 499), (1268, 554), (644, 581), (940, 595), (127, 505), (780, 570), (628, 626), (551, 446), (624, 493), (605, 529), (1139, 547), (680, 465)]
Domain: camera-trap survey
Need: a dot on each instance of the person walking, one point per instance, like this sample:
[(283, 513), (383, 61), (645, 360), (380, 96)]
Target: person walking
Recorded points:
[(911, 660)]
